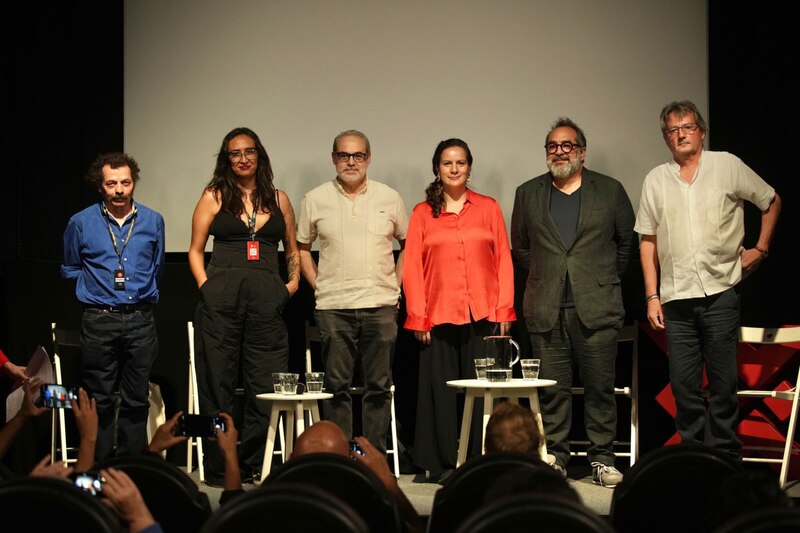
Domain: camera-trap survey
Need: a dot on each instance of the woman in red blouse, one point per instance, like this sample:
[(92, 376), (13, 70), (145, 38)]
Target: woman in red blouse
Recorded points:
[(458, 281)]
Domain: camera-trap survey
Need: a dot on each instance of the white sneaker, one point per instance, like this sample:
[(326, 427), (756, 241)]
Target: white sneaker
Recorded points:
[(551, 460), (605, 475)]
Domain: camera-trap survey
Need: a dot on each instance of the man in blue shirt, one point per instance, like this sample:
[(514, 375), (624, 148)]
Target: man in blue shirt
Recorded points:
[(115, 251)]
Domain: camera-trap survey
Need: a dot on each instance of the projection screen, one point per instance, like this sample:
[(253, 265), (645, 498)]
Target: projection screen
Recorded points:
[(408, 74)]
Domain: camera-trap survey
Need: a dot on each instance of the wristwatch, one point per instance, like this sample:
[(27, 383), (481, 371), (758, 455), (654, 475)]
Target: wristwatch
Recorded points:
[(763, 251)]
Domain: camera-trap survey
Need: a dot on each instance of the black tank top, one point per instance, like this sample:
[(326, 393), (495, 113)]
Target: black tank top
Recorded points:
[(227, 228), (231, 235)]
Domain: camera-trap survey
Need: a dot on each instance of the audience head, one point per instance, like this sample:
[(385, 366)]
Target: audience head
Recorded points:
[(322, 437), (745, 491), (512, 428)]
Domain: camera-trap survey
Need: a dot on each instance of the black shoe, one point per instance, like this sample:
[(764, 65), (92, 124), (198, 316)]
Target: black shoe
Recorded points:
[(444, 476), (214, 481), (251, 476), (420, 478)]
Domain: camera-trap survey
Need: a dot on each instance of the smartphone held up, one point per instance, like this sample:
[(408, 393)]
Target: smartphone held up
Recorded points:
[(55, 396), (199, 425)]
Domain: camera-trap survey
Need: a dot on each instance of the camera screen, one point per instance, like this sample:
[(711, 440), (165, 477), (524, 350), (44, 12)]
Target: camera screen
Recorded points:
[(57, 396), (354, 447), (199, 425), (90, 482)]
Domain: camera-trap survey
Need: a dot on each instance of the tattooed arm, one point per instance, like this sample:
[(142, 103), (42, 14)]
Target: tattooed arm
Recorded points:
[(290, 244)]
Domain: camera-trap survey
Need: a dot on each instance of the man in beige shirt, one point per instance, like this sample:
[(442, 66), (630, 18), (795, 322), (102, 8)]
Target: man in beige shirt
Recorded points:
[(356, 283), (692, 225)]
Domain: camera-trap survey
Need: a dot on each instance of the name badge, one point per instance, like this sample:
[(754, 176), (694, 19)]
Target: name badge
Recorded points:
[(119, 280), (252, 250)]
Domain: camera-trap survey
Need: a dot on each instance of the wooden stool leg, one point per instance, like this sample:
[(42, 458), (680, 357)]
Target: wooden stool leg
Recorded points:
[(313, 413), (466, 422), (488, 406), (269, 447), (289, 432), (300, 416), (537, 413)]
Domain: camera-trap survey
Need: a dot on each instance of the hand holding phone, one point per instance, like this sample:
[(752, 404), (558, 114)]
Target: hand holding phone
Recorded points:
[(91, 482)]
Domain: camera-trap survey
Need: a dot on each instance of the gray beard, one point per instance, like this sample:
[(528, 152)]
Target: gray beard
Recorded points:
[(564, 172)]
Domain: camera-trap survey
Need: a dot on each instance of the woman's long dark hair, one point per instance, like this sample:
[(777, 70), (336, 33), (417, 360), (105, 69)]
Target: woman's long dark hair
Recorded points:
[(224, 180), (434, 192)]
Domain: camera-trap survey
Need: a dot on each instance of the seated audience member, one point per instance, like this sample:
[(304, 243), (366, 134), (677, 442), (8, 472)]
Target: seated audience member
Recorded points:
[(119, 491), (166, 435), (512, 428), (45, 468), (322, 437), (165, 438), (123, 497), (85, 411), (26, 412), (120, 494), (543, 480), (743, 492), (327, 437)]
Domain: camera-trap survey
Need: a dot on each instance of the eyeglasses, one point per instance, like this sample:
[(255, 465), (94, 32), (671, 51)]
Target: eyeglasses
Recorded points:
[(344, 157), (566, 147), (687, 129), (248, 153)]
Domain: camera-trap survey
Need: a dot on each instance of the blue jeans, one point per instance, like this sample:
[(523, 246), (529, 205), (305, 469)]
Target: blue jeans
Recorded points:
[(594, 353), (705, 331), (368, 336), (119, 347)]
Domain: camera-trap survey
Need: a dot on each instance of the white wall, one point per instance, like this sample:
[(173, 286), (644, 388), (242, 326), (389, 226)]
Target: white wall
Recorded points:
[(408, 74)]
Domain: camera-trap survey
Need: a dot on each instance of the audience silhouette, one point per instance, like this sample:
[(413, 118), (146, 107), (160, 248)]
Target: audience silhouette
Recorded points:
[(727, 497)]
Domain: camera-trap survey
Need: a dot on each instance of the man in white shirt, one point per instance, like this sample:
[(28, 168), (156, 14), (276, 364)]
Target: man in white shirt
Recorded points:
[(691, 219), (356, 284)]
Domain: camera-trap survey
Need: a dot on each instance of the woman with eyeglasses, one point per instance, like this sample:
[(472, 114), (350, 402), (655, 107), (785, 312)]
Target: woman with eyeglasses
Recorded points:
[(238, 320), (458, 280)]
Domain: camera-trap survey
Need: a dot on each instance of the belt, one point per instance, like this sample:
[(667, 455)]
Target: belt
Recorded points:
[(122, 309)]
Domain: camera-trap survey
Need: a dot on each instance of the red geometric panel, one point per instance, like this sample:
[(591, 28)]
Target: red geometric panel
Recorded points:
[(756, 430), (759, 364), (766, 367), (666, 399), (781, 409)]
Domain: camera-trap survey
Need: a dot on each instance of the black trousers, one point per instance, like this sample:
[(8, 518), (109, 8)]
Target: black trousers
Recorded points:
[(239, 322), (449, 356)]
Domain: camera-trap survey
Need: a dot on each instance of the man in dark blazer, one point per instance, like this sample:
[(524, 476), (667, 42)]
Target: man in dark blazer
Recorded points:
[(572, 232)]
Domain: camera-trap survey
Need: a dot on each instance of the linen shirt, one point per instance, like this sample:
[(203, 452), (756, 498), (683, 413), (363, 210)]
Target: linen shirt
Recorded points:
[(458, 267), (356, 268), (90, 257), (699, 226)]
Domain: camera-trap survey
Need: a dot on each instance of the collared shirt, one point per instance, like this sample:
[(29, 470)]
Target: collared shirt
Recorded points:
[(90, 257), (699, 226), (458, 266), (356, 268)]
